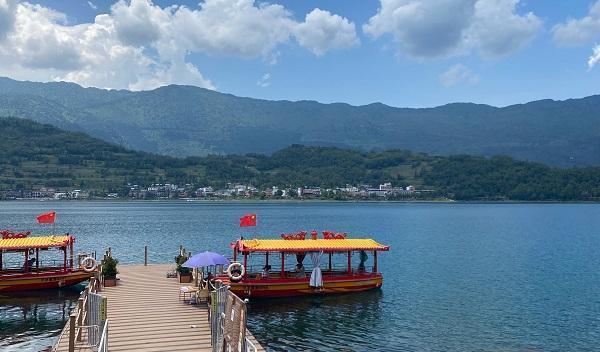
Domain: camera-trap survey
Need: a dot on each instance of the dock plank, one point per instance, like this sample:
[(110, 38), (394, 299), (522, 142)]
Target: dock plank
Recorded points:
[(146, 314)]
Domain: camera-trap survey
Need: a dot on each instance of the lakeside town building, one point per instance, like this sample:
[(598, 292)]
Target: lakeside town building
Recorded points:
[(231, 191)]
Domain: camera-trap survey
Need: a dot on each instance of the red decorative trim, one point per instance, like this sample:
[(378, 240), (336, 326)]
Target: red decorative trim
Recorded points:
[(262, 288), (312, 249), (7, 234), (329, 235), (294, 236)]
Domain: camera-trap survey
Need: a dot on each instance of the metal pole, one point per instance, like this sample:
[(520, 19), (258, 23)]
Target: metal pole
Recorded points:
[(282, 264), (71, 254), (349, 262), (146, 255), (375, 261)]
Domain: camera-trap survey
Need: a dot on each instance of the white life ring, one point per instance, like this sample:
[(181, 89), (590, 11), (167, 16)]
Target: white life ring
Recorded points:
[(236, 267), (88, 268)]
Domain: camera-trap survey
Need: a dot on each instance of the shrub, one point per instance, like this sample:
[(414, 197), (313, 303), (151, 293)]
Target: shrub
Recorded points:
[(179, 260), (109, 268)]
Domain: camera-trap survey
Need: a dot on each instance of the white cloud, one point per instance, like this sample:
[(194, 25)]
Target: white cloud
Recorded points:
[(42, 46), (457, 74), (595, 58), (40, 40), (498, 31), (139, 45), (579, 31), (92, 5), (138, 22), (234, 28), (322, 31), (423, 28), (442, 28), (264, 81), (7, 17)]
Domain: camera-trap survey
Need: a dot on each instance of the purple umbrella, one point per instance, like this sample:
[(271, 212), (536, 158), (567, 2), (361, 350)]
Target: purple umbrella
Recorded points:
[(205, 259)]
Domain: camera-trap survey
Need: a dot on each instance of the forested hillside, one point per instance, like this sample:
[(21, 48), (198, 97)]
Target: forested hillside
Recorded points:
[(36, 155), (191, 121)]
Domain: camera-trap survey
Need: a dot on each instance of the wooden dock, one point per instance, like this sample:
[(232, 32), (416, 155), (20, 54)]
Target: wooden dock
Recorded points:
[(146, 314)]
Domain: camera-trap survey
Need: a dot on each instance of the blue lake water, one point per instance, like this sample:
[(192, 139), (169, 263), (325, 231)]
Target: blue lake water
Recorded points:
[(458, 277)]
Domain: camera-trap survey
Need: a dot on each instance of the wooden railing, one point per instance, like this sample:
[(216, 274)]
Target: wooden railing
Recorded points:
[(73, 330)]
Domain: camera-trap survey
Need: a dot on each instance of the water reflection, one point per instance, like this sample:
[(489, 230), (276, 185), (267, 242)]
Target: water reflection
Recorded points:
[(30, 321), (325, 323)]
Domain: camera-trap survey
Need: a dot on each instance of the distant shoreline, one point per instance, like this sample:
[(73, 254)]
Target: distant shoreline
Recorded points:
[(208, 201)]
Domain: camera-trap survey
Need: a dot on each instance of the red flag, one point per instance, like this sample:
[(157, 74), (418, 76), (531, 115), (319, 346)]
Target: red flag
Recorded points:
[(248, 220), (47, 218)]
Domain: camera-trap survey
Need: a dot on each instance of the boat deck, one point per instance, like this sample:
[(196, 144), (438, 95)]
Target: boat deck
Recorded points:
[(146, 314)]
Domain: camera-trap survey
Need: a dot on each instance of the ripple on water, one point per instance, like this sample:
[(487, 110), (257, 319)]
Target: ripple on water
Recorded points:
[(458, 277)]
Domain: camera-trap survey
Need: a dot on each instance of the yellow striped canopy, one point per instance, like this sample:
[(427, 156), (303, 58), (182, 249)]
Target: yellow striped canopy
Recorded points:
[(310, 245), (35, 242)]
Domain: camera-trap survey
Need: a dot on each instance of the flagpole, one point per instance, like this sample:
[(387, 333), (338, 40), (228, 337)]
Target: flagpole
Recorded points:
[(254, 229)]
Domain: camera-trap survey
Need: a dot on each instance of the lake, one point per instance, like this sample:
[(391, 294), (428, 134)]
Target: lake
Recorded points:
[(458, 277)]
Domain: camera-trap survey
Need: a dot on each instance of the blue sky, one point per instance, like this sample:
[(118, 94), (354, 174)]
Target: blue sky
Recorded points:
[(455, 52)]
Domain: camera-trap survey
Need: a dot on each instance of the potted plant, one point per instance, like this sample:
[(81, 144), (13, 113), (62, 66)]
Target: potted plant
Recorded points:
[(185, 274), (109, 271)]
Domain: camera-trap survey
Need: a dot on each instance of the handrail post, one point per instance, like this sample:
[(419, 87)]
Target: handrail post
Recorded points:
[(99, 282), (146, 255), (79, 316), (72, 318)]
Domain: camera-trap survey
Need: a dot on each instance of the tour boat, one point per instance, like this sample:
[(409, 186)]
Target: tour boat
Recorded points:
[(278, 278), (30, 272)]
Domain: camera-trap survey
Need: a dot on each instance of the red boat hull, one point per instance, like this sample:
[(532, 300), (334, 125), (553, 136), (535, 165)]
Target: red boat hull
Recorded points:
[(42, 280), (291, 287)]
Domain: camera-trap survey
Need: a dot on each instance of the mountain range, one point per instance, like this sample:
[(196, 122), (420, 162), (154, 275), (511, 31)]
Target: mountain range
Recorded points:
[(190, 121)]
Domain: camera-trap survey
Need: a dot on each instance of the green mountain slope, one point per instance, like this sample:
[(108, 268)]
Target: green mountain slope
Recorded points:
[(185, 121), (34, 155)]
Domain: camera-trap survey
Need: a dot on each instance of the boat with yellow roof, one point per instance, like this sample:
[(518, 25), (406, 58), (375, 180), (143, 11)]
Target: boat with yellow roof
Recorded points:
[(25, 263), (336, 264)]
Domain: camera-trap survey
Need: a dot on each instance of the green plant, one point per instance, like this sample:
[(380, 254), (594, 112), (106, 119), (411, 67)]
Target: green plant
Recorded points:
[(179, 260), (109, 268)]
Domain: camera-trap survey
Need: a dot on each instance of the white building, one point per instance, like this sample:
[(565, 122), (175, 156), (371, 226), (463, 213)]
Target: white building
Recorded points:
[(386, 186)]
